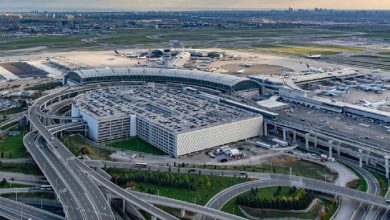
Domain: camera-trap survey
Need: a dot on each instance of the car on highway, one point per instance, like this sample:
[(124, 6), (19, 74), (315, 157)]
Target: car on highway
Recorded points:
[(224, 160)]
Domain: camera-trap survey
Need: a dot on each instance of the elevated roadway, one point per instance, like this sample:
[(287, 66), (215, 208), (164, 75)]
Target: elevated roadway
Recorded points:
[(373, 187), (13, 118), (68, 200), (23, 178), (307, 183), (66, 156), (210, 212), (18, 211), (342, 138), (92, 201), (84, 173)]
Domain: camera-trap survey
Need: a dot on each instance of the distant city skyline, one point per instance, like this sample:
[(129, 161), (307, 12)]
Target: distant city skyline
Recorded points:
[(126, 5)]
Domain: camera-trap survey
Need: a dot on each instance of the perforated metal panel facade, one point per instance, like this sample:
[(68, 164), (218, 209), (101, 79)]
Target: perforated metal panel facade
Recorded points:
[(218, 135)]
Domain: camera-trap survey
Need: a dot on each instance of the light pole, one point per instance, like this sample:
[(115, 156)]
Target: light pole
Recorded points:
[(21, 214)]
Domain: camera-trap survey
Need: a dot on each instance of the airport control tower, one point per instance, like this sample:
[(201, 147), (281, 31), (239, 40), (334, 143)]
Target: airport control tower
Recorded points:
[(167, 57)]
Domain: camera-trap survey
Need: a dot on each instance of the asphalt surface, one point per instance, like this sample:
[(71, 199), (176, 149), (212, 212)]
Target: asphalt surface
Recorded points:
[(339, 125), (91, 205), (383, 214), (89, 199), (308, 183), (84, 173), (87, 172), (16, 211), (22, 178), (11, 119), (373, 187), (159, 200), (75, 164), (67, 199)]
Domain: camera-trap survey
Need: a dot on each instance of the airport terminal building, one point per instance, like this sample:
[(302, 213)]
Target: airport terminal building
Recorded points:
[(221, 82), (175, 119)]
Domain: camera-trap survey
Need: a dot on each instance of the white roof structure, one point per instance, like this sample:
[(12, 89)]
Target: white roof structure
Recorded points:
[(234, 152), (217, 78)]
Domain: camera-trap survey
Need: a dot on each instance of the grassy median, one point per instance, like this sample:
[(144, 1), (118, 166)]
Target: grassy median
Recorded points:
[(325, 208), (186, 187), (12, 146), (25, 168), (136, 144), (282, 165), (77, 146)]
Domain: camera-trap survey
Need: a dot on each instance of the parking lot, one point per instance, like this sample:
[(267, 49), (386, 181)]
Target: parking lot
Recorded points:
[(23, 70), (253, 154), (7, 104)]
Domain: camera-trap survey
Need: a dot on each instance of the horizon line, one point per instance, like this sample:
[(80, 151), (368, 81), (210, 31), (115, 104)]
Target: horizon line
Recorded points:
[(22, 10)]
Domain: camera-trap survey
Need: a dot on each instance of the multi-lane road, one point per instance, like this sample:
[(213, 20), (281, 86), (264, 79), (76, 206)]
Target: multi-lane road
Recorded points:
[(65, 195), (308, 183), (373, 187), (18, 211), (74, 181), (79, 178)]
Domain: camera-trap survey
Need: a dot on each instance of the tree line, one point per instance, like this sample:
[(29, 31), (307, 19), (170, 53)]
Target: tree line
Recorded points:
[(299, 199), (161, 179)]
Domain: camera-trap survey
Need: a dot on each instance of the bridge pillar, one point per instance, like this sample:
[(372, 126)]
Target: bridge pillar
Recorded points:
[(182, 213), (153, 218), (123, 205), (284, 134), (338, 150), (315, 141), (368, 158), (330, 142), (387, 165), (360, 158), (265, 129), (108, 196), (307, 135), (294, 136)]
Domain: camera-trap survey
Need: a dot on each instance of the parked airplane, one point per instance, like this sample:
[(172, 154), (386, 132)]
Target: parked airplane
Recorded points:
[(314, 69), (247, 65), (314, 56), (375, 105), (378, 88), (339, 90), (240, 71), (119, 54)]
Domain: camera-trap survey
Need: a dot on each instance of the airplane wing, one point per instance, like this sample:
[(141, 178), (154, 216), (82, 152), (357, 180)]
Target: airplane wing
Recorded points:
[(366, 102)]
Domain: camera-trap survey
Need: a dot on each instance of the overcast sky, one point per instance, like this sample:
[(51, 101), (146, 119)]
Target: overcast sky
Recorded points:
[(190, 4)]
